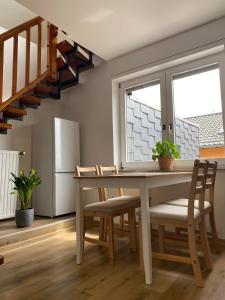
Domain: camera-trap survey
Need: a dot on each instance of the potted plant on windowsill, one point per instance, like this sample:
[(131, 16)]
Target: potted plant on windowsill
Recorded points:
[(24, 186), (165, 152)]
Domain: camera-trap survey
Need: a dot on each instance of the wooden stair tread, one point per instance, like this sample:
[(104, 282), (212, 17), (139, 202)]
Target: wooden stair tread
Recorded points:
[(81, 56), (69, 84), (45, 91), (44, 88), (30, 100), (66, 49), (86, 68), (76, 64), (15, 111), (52, 81), (60, 64), (5, 125), (1, 260), (67, 75)]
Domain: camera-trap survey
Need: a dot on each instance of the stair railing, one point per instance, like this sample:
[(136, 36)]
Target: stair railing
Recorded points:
[(51, 68)]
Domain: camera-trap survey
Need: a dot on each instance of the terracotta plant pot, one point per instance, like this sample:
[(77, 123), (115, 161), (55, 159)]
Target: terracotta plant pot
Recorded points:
[(166, 163)]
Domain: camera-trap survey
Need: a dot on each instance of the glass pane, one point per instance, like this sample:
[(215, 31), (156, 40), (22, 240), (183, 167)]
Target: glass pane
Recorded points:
[(143, 110), (198, 114)]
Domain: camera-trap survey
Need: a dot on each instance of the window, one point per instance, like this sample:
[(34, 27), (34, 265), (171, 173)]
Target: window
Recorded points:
[(198, 113), (143, 110), (182, 104)]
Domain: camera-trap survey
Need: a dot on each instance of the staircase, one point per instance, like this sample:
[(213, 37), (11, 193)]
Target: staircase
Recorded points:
[(65, 62)]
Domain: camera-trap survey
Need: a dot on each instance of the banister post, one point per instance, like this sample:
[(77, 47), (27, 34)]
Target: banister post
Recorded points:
[(1, 69), (52, 50), (15, 65), (39, 49), (27, 66)]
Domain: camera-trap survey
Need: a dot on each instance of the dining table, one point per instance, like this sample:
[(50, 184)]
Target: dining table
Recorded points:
[(142, 181)]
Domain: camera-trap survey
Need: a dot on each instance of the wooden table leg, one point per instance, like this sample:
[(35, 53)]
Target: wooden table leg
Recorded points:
[(146, 234), (79, 224)]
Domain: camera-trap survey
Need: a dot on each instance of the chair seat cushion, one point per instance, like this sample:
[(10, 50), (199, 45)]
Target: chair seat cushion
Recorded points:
[(184, 202), (171, 212), (110, 206), (134, 199)]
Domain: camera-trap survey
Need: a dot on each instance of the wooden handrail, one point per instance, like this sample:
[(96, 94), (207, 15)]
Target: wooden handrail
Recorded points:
[(18, 29), (51, 68), (24, 90), (14, 33)]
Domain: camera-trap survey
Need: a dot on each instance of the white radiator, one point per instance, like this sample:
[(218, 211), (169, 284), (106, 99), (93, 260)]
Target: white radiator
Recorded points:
[(9, 162)]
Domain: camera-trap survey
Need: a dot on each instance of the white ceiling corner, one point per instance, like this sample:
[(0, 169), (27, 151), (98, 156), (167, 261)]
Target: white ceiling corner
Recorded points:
[(13, 14), (113, 28)]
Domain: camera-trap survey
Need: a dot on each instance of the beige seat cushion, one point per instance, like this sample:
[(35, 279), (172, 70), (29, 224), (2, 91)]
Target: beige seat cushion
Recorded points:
[(110, 206), (171, 212), (184, 202), (135, 199)]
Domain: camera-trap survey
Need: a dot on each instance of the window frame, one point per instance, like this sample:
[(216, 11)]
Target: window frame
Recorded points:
[(165, 76), (157, 76), (189, 67)]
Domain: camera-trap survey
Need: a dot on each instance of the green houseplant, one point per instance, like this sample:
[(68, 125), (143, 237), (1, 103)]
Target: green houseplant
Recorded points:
[(165, 152), (23, 187)]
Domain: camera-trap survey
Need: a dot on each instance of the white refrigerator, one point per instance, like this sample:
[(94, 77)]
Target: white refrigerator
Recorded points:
[(56, 152)]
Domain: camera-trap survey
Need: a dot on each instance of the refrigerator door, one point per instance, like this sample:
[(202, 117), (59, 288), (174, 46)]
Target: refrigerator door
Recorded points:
[(66, 145), (64, 193)]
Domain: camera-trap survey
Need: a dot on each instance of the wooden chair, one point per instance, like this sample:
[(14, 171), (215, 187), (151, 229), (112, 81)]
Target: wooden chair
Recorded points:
[(108, 210), (184, 217), (134, 199), (208, 205)]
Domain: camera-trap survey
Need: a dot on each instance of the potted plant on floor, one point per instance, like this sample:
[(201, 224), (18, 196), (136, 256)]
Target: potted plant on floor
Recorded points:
[(24, 186), (165, 152)]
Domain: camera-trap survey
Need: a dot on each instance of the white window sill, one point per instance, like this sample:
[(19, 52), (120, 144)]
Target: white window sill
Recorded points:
[(180, 165)]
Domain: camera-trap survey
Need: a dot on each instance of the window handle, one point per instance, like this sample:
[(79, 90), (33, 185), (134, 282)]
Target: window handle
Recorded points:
[(164, 127), (170, 127)]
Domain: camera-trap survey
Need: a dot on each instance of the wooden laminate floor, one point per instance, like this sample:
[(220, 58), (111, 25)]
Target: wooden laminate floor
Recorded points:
[(8, 227), (47, 270)]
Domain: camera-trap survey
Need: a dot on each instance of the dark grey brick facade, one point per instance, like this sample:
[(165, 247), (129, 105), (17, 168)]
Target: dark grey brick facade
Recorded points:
[(144, 130)]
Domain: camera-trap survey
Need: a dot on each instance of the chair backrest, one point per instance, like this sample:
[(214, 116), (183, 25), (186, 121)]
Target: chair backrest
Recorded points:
[(211, 179), (91, 170), (109, 169), (198, 187), (81, 171)]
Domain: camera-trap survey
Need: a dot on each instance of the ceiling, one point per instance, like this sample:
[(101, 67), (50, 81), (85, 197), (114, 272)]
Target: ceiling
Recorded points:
[(113, 28), (13, 14)]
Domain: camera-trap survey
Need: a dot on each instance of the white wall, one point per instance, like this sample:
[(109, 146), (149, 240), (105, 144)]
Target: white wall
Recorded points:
[(91, 103), (169, 49)]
